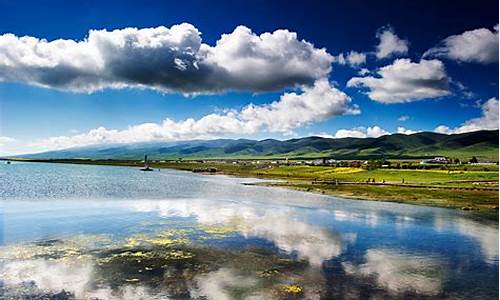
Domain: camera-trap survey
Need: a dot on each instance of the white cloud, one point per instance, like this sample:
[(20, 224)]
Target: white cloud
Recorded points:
[(6, 140), (291, 111), (367, 132), (361, 132), (487, 121), (356, 58), (403, 130), (323, 134), (443, 129), (479, 45), (295, 110), (352, 59), (403, 118), (464, 91), (405, 81), (167, 59), (364, 72), (390, 44)]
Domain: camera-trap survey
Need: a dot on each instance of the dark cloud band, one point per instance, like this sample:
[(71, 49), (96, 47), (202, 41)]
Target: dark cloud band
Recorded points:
[(167, 59)]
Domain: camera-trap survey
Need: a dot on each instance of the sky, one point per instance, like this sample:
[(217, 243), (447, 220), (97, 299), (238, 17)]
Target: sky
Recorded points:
[(106, 72)]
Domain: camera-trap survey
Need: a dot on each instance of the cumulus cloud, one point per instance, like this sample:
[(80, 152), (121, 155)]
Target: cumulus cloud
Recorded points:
[(479, 45), (444, 129), (361, 132), (352, 59), (405, 81), (292, 110), (403, 130), (487, 121), (166, 59), (390, 44), (368, 132)]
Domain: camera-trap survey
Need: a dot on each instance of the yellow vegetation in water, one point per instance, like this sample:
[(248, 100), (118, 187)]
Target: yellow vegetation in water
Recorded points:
[(292, 289), (221, 229), (70, 249), (162, 241), (132, 242), (134, 254), (166, 238), (137, 255), (178, 254), (217, 229), (268, 273)]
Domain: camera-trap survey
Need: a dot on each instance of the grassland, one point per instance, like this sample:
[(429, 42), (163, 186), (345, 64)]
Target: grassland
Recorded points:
[(472, 188)]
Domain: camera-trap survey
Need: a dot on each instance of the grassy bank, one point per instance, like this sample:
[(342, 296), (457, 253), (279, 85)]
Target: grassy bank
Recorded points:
[(458, 189), (473, 188), (484, 203)]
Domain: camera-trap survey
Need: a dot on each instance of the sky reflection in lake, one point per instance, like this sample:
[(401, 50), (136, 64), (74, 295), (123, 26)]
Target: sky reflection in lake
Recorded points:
[(190, 235)]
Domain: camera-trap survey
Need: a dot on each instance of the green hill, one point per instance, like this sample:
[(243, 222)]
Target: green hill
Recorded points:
[(482, 144)]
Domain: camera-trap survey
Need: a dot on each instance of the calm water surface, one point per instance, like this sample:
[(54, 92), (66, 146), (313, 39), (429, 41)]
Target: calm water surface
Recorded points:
[(98, 232)]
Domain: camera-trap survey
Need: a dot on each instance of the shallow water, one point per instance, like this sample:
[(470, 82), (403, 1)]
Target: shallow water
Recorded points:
[(115, 232)]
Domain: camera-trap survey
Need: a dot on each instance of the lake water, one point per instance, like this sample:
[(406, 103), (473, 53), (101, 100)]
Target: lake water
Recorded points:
[(100, 232)]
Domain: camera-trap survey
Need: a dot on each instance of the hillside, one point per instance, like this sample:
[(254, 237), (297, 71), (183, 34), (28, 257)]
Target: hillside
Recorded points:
[(483, 144)]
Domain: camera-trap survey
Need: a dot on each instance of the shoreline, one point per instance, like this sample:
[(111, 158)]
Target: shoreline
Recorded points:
[(482, 202)]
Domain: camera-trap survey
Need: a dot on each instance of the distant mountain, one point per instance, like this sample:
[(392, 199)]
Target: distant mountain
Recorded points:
[(482, 144)]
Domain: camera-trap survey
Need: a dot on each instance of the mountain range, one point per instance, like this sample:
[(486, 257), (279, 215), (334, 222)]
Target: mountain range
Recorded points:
[(482, 144)]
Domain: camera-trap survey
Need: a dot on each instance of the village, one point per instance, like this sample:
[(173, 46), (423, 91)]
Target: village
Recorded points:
[(438, 162)]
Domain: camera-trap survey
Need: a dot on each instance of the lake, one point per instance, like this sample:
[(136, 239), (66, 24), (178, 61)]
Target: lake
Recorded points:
[(102, 232)]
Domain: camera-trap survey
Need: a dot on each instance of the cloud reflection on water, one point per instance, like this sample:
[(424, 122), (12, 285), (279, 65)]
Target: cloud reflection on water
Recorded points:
[(283, 227), (399, 272), (214, 285), (486, 236), (49, 277)]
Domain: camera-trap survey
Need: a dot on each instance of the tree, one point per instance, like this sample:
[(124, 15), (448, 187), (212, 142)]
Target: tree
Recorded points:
[(473, 160)]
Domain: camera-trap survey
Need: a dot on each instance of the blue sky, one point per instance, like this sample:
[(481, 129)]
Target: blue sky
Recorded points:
[(441, 62)]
